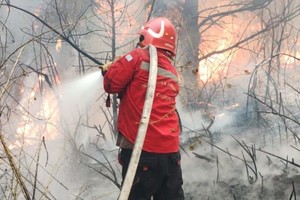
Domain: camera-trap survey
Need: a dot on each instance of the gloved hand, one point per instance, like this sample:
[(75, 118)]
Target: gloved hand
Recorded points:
[(105, 67)]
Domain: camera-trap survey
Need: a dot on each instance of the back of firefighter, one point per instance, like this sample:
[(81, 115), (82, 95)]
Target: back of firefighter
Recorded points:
[(159, 172)]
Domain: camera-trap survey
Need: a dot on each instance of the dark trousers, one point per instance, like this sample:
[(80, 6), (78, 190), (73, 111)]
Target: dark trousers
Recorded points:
[(158, 176)]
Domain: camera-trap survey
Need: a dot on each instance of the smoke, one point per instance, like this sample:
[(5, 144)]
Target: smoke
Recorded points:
[(234, 167), (63, 165), (53, 145), (220, 171), (210, 172)]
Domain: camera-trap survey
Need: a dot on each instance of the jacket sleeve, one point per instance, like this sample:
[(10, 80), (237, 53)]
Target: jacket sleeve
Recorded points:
[(120, 73)]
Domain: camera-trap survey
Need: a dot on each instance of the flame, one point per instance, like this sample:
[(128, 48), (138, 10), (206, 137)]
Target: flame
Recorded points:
[(58, 44), (43, 123), (56, 78), (41, 118), (289, 59), (230, 107), (226, 33), (37, 12), (126, 27), (204, 71), (212, 68), (233, 29)]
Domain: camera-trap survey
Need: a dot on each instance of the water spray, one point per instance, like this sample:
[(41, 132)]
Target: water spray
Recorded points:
[(139, 141), (79, 93)]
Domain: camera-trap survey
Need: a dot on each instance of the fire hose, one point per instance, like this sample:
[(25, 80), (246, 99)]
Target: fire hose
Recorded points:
[(139, 142)]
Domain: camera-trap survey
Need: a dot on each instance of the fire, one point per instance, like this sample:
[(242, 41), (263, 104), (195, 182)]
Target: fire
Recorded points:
[(289, 59), (204, 71), (221, 42), (58, 44), (41, 117), (123, 35), (212, 68), (56, 78), (31, 127), (36, 12)]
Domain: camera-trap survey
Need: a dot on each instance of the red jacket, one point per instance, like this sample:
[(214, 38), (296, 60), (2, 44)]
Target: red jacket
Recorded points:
[(129, 77)]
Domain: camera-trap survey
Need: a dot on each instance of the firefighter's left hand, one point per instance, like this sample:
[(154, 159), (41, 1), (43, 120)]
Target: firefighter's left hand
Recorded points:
[(106, 66)]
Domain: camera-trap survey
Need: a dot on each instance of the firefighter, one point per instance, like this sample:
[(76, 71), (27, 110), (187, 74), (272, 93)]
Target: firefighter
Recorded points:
[(159, 171)]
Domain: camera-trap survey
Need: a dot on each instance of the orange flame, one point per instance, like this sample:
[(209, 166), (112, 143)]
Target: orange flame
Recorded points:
[(43, 123), (58, 44), (213, 67), (289, 59), (41, 119)]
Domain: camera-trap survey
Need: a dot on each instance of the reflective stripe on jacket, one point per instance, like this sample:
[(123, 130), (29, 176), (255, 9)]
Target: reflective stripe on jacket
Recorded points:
[(128, 76)]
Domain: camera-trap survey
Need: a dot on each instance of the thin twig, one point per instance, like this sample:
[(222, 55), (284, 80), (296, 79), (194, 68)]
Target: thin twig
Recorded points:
[(56, 32), (14, 168)]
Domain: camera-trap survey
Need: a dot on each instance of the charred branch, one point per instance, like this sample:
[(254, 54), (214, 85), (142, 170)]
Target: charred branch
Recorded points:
[(274, 111), (280, 158), (203, 157), (252, 154), (14, 168), (56, 32)]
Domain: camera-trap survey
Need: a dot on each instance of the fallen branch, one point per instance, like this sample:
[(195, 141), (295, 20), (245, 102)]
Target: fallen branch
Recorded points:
[(14, 168)]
